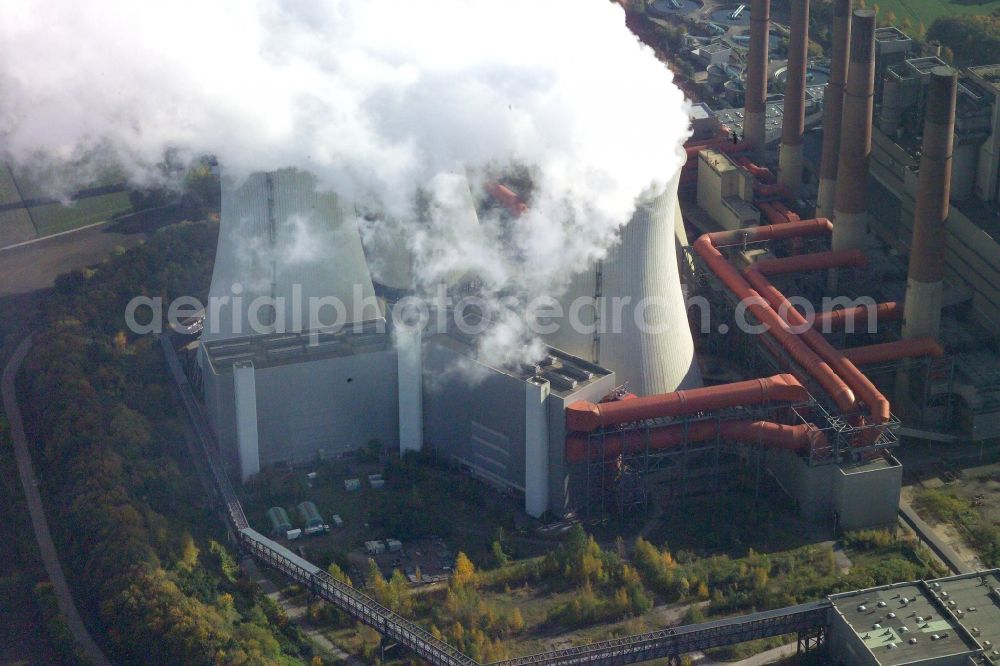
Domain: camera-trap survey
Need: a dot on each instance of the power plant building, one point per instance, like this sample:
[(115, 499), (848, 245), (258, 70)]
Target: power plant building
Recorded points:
[(277, 394)]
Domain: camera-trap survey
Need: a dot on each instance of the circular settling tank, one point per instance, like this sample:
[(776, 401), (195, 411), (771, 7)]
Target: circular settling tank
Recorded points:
[(815, 76), (675, 6), (729, 15)]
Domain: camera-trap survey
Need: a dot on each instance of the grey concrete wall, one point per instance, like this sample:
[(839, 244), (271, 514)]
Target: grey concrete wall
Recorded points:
[(862, 497), (811, 487), (846, 648), (303, 408), (478, 421), (867, 497), (220, 408), (335, 405)]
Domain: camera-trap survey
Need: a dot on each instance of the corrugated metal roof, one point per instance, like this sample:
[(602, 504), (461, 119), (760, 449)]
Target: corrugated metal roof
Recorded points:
[(281, 238)]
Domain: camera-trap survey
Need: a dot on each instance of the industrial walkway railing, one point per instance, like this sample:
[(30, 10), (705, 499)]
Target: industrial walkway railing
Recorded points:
[(690, 638), (631, 649)]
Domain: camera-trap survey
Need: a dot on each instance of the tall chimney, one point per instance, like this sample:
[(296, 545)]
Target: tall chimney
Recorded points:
[(922, 312), (790, 157), (754, 115), (833, 108), (851, 204)]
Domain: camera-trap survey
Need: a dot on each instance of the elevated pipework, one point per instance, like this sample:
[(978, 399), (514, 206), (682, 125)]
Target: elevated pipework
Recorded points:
[(793, 125), (833, 108), (893, 351), (707, 247), (851, 204), (585, 416), (849, 319), (769, 434), (755, 112), (812, 262), (924, 284), (507, 198)]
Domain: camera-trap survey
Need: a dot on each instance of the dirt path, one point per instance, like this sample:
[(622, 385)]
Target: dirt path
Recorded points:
[(38, 521)]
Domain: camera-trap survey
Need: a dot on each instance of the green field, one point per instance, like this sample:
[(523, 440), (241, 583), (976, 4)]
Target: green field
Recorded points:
[(54, 218), (925, 11), (8, 193), (15, 227)]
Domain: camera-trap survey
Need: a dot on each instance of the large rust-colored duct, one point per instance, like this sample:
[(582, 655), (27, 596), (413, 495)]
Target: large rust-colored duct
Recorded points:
[(851, 204), (893, 351), (859, 316), (812, 262), (506, 198), (859, 384), (583, 416), (924, 284), (833, 108), (794, 122), (766, 433), (707, 247), (755, 112)]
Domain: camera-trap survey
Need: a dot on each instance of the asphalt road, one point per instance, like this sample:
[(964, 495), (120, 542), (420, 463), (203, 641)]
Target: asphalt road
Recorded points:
[(38, 521)]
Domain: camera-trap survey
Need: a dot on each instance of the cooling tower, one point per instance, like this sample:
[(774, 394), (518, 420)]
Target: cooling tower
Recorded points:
[(627, 313)]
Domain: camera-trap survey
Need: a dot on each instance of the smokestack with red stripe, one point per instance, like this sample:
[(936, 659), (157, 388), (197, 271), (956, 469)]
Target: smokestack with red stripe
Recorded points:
[(755, 113), (790, 157), (922, 312), (851, 203), (833, 108)]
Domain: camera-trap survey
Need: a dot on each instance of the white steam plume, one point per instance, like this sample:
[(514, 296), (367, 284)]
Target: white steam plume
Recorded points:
[(375, 97)]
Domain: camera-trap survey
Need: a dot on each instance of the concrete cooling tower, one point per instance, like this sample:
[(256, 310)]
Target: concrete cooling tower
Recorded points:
[(639, 327)]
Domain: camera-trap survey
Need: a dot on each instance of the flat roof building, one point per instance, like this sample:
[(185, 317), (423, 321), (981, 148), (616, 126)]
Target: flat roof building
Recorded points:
[(954, 620)]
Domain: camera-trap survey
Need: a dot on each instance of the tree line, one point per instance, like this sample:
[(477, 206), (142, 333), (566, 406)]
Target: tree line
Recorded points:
[(138, 538)]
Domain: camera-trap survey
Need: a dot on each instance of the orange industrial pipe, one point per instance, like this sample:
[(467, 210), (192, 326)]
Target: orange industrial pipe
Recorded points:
[(707, 247), (771, 435), (894, 351), (862, 387), (763, 174), (771, 213), (836, 319), (772, 190), (802, 229), (583, 416), (784, 210), (507, 198), (812, 262)]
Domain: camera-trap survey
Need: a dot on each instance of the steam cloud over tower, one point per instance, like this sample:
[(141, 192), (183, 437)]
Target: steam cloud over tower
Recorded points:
[(639, 328)]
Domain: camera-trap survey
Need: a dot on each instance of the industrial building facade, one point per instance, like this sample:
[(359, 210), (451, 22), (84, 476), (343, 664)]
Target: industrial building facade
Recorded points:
[(279, 393)]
